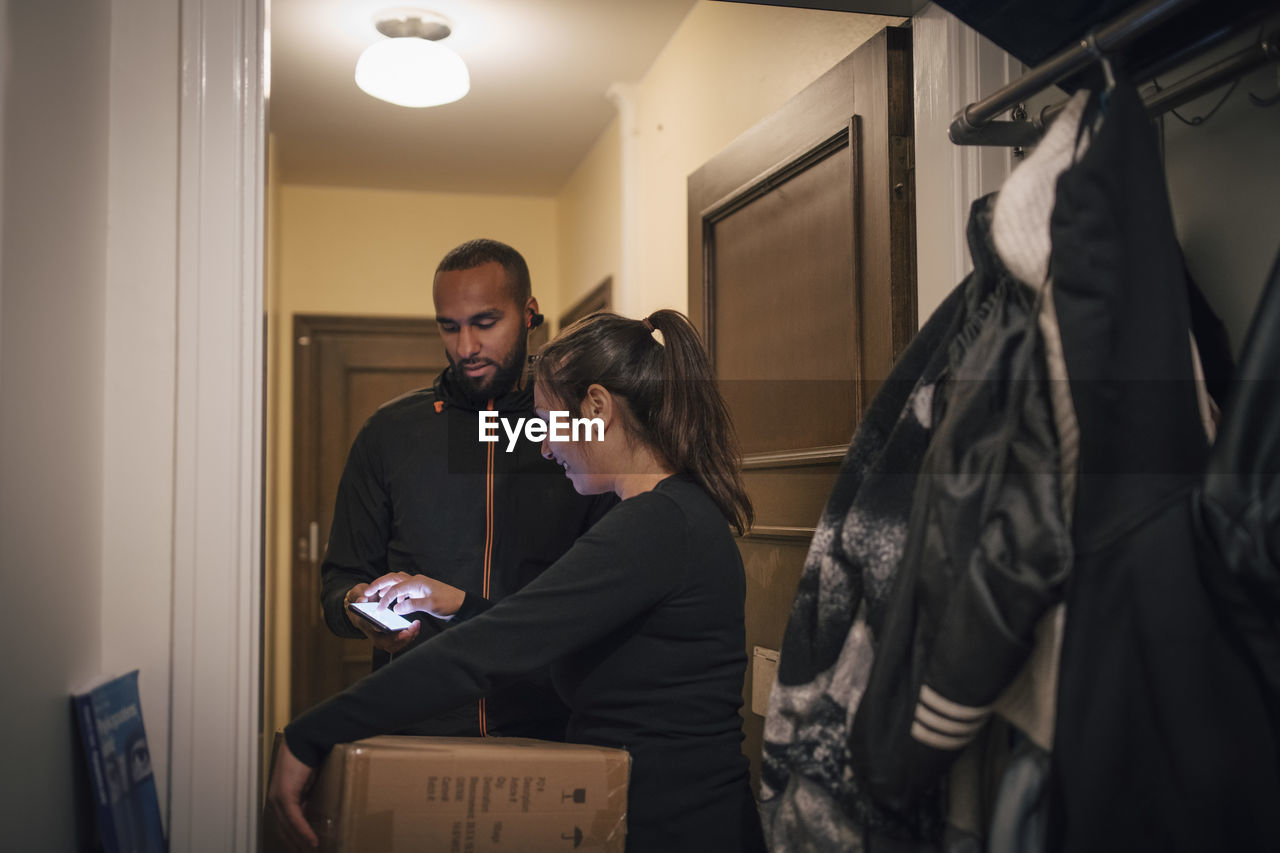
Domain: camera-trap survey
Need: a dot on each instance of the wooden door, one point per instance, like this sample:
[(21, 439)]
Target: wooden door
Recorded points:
[(802, 281), (600, 298), (344, 369)]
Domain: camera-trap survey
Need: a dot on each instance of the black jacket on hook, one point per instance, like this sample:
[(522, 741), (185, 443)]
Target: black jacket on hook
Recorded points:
[(841, 767), (988, 551), (1238, 506), (1163, 741)]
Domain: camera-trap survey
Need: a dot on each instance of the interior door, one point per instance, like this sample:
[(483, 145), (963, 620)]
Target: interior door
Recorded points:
[(600, 298), (802, 281), (344, 369)]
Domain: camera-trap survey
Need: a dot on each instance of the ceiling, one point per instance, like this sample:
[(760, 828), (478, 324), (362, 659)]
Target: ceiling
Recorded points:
[(539, 73)]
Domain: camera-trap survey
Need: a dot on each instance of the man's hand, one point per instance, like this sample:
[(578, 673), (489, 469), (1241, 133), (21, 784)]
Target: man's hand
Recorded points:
[(285, 795), (402, 593), (388, 642)]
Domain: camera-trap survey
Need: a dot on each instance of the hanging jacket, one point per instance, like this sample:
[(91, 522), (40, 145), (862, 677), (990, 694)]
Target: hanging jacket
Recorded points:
[(1237, 508), (988, 551), (811, 798), (1162, 740)]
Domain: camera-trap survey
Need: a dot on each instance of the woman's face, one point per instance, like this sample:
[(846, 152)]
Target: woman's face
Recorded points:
[(575, 457)]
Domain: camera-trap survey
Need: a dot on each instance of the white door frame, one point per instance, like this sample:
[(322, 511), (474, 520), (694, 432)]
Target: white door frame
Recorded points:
[(953, 66), (217, 638)]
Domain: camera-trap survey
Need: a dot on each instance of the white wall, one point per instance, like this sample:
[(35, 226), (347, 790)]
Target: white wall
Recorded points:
[(953, 66), (88, 319), (138, 360), (52, 303)]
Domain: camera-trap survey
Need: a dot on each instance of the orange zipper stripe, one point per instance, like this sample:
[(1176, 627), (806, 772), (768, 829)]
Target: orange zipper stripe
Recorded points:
[(488, 531), (488, 553)]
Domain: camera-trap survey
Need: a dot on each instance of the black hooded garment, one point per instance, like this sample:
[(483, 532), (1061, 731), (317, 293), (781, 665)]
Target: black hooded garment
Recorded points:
[(1162, 739), (422, 494)]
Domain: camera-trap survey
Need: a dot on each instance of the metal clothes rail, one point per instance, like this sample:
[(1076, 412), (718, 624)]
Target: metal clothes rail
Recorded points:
[(976, 124)]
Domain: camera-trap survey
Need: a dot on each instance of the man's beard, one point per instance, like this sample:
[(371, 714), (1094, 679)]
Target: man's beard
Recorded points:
[(508, 374)]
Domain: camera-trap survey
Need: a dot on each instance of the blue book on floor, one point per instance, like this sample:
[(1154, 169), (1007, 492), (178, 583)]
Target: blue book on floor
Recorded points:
[(109, 716)]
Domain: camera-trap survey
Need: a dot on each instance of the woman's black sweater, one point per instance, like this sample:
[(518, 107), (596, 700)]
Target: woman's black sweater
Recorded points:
[(642, 624)]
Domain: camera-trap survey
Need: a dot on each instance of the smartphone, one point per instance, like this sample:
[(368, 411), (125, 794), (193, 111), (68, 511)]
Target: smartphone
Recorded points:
[(384, 620)]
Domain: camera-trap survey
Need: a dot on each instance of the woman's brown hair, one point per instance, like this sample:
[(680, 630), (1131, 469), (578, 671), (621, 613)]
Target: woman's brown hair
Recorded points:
[(672, 401)]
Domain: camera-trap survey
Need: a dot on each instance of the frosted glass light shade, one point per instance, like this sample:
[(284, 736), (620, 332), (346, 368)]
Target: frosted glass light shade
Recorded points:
[(412, 72)]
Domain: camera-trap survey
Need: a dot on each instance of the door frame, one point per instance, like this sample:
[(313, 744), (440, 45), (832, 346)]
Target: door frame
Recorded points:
[(954, 66), (215, 679)]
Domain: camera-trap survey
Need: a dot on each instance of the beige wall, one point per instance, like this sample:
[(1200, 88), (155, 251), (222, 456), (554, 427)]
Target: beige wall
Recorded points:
[(354, 251), (367, 252), (727, 67), (589, 208)]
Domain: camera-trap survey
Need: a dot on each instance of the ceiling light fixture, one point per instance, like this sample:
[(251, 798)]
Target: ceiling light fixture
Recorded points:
[(411, 68)]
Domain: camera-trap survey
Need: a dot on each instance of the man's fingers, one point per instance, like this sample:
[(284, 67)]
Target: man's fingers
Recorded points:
[(410, 589), (390, 595), (393, 643), (406, 636), (387, 580)]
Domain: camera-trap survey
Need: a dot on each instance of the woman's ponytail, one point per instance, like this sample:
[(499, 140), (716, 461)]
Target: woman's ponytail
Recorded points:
[(659, 368), (691, 423)]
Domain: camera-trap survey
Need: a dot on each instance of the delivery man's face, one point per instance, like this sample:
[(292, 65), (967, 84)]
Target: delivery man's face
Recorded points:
[(483, 329)]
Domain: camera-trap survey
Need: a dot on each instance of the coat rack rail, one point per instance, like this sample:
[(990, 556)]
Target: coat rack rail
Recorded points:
[(976, 124)]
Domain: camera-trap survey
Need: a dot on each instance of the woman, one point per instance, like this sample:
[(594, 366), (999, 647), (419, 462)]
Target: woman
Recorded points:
[(641, 620)]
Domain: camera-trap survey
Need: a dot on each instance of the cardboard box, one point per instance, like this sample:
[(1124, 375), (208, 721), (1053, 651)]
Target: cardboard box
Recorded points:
[(395, 794)]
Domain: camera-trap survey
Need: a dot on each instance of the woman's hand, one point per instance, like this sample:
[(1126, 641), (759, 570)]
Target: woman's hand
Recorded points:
[(402, 593), (285, 794)]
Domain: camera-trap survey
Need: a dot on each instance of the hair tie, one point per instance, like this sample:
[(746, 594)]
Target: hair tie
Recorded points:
[(654, 333)]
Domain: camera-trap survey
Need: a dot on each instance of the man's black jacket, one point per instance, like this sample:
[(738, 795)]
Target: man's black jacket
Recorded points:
[(422, 494)]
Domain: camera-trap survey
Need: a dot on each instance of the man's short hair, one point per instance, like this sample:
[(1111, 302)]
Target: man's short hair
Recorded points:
[(475, 253)]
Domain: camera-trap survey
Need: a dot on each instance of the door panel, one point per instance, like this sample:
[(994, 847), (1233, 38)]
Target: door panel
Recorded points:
[(790, 232), (344, 369), (802, 282)]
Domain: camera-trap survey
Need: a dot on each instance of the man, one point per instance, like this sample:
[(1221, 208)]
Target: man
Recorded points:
[(421, 494)]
